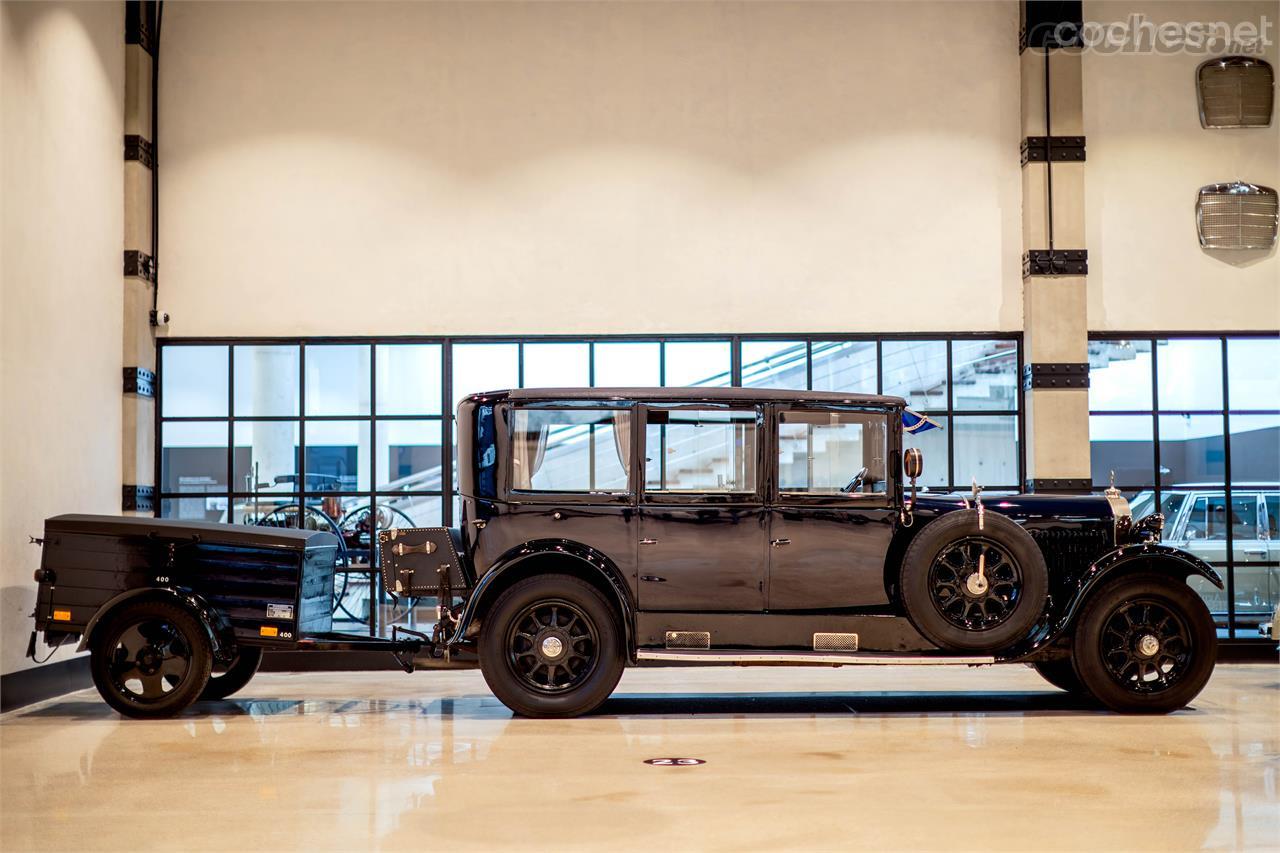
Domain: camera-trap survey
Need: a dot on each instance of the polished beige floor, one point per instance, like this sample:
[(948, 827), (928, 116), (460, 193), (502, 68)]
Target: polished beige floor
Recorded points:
[(922, 759)]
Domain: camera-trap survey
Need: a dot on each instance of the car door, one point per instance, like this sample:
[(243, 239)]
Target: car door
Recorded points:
[(702, 517), (832, 513)]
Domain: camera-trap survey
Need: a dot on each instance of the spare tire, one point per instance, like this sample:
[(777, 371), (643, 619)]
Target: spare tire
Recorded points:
[(960, 608)]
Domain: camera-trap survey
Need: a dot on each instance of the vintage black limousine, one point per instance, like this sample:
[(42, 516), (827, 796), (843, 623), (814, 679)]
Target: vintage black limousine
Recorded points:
[(605, 528)]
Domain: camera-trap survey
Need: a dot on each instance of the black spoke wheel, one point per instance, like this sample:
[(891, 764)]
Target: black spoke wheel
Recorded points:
[(975, 583), (551, 646), (229, 676), (150, 659), (1145, 643), (1061, 674)]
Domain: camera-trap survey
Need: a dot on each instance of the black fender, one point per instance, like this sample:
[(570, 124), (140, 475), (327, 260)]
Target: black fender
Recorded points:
[(1159, 559), (583, 554), (213, 622)]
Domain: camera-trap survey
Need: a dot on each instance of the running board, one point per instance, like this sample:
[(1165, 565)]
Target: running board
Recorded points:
[(834, 658)]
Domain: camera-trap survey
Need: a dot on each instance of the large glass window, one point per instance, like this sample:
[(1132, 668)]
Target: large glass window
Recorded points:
[(700, 450), (570, 450), (831, 452), (1190, 426), (357, 435)]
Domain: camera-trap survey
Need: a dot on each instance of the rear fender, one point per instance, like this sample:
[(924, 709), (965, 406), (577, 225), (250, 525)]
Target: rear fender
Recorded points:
[(214, 624), (584, 558)]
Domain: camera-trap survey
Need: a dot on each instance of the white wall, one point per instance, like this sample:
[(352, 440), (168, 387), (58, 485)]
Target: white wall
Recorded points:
[(1147, 157), (61, 294), (589, 167)]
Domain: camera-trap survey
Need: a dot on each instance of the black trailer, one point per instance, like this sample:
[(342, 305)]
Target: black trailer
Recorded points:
[(175, 611)]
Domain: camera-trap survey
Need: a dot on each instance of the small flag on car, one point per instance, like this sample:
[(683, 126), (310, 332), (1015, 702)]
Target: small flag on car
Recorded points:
[(916, 422)]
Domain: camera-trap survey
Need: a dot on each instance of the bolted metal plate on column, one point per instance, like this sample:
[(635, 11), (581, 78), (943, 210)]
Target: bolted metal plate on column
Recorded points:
[(140, 381), (1060, 484), (1056, 149), (1055, 262), (140, 149), (139, 265), (139, 499), (1055, 375)]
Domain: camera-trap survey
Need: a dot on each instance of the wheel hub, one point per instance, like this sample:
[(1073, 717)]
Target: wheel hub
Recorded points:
[(552, 647), (1148, 645), (976, 584)]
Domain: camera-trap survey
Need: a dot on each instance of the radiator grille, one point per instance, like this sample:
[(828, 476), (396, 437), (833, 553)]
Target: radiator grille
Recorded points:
[(1235, 91), (688, 639), (835, 642), (1236, 216)]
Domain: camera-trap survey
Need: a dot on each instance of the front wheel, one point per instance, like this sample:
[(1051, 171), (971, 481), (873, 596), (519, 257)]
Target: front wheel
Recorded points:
[(551, 647), (1145, 644), (1062, 675)]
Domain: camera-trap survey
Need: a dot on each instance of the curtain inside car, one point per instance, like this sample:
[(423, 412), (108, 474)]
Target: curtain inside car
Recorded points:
[(530, 450), (622, 439)]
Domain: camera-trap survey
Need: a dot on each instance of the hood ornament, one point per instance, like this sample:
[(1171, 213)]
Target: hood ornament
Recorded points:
[(1112, 491)]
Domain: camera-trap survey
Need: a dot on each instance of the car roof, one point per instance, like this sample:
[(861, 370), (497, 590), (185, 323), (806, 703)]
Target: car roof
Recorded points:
[(683, 394)]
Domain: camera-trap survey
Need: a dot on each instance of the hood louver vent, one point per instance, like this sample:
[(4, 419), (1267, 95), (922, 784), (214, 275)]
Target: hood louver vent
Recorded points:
[(1236, 216), (1235, 91)]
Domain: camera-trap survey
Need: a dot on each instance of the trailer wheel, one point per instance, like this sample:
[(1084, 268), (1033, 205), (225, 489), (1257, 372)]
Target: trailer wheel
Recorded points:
[(150, 659), (974, 583), (228, 678), (551, 647)]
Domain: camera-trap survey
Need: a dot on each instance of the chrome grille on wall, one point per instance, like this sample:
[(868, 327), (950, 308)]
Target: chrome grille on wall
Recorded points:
[(1235, 91), (1236, 216)]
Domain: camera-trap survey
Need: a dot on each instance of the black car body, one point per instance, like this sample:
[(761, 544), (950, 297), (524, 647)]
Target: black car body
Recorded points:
[(602, 528)]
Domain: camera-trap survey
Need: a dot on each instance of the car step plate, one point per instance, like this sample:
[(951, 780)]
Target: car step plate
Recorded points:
[(838, 658)]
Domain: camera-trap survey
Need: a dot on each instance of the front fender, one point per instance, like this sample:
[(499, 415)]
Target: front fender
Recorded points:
[(207, 616), (1160, 559), (583, 554)]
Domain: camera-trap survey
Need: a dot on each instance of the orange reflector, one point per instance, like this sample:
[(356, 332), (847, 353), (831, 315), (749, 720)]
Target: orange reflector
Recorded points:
[(269, 631), (62, 615)]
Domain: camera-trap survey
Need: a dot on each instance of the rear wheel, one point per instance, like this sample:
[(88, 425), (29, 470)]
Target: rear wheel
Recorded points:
[(150, 659), (1061, 674), (228, 678), (551, 647), (1145, 644)]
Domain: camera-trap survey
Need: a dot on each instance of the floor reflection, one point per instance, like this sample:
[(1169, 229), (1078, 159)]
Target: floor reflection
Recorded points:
[(381, 760)]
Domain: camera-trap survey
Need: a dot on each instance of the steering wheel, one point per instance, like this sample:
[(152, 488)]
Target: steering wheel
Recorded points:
[(856, 483)]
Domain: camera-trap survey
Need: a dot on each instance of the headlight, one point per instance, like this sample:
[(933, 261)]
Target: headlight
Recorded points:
[(1150, 527)]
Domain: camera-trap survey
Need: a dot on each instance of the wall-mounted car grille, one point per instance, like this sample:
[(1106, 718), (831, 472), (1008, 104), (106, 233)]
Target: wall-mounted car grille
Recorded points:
[(1235, 91), (1236, 216)]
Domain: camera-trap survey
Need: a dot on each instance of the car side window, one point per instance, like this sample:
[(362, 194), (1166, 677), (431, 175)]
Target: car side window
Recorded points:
[(1210, 517), (570, 450), (701, 451), (832, 452)]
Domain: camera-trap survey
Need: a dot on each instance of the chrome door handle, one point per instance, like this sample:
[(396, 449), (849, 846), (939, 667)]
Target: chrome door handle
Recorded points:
[(778, 543), (648, 541)]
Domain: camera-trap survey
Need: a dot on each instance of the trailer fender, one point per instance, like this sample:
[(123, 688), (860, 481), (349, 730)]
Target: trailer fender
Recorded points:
[(213, 622), (585, 558)]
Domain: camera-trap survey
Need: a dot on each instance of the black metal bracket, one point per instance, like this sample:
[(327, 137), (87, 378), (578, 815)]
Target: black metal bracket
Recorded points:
[(1055, 375), (140, 381), (1056, 149), (1048, 24), (1062, 484), (140, 24), (139, 148), (139, 498), (139, 265), (1055, 262)]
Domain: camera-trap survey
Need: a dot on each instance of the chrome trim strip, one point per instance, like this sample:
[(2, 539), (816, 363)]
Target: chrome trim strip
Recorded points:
[(850, 658)]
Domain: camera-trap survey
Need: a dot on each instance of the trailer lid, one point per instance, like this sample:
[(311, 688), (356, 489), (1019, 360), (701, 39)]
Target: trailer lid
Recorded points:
[(208, 531)]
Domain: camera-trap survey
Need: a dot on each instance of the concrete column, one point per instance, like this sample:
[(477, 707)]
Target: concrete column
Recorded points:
[(139, 343), (1055, 262)]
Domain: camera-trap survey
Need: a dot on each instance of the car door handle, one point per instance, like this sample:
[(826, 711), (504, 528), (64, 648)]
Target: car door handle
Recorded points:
[(1260, 552), (648, 541), (778, 543)]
